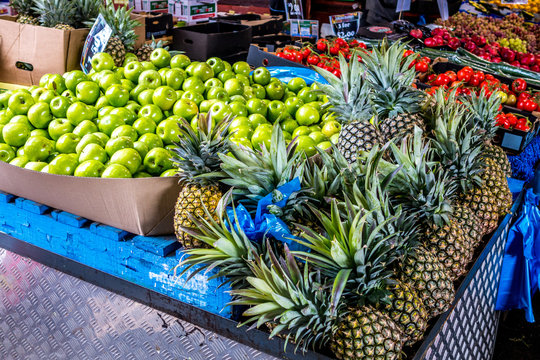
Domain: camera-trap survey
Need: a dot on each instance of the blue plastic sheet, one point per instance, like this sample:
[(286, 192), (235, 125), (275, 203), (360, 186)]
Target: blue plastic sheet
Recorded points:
[(524, 163), (521, 263), (266, 223), (285, 73)]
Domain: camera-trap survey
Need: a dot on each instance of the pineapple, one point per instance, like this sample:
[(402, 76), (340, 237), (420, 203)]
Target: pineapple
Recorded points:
[(25, 11), (86, 10), (143, 53), (349, 97), (123, 35), (58, 14), (196, 155), (312, 314), (396, 102)]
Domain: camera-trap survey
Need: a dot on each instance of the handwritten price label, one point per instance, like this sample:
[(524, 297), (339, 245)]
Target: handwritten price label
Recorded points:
[(345, 26)]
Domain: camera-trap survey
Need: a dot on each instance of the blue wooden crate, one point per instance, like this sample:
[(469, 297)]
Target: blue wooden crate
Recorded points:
[(147, 261)]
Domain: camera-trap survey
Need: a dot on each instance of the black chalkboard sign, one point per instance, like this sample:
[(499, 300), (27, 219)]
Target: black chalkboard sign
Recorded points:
[(346, 25), (293, 9)]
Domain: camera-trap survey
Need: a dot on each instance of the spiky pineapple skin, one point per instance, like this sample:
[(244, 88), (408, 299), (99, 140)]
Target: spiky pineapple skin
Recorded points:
[(497, 153), (63, 27), (367, 333), (191, 200), (357, 136), (495, 179), (469, 222), (408, 311), (448, 243), (402, 125), (425, 273), (26, 19), (143, 53), (117, 50), (482, 202)]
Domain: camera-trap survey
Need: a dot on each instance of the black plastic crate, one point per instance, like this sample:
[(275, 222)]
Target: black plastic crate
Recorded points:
[(204, 41), (158, 25), (260, 25), (515, 141)]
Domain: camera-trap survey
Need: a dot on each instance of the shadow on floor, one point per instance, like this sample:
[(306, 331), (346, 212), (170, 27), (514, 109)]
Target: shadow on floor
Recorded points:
[(517, 339)]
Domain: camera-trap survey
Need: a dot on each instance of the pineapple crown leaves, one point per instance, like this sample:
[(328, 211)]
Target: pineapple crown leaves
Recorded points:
[(197, 152), (349, 96), (353, 242), (390, 79), (50, 16), (86, 10), (121, 23), (254, 174), (23, 7), (484, 111), (421, 187), (295, 300), (230, 249)]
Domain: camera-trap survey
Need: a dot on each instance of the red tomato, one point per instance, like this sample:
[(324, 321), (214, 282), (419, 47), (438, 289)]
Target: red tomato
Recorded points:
[(313, 59), (322, 45), (530, 105), (334, 50), (421, 66), (451, 75), (519, 85), (407, 53), (464, 75), (306, 52)]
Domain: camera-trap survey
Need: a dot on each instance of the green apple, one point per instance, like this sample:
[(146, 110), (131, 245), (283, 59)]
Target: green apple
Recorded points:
[(106, 110), (47, 96), (226, 75), (330, 128), (262, 136), (244, 80), (292, 105), (275, 90), (6, 153), (164, 97), (220, 111), (85, 127), (43, 80), (125, 130), (261, 76), (151, 140), (22, 119), (234, 87), (205, 105), (88, 139), (133, 70), (150, 78), (59, 106), (77, 112), (242, 142), (73, 78), (296, 84), (157, 161), (239, 121), (144, 125), (193, 96), (110, 122), (185, 108), (307, 95), (102, 61), (116, 171), (20, 102), (117, 95), (40, 115), (169, 173), (160, 58), (70, 95), (38, 148), (334, 138), (301, 131), (35, 165), (141, 174), (306, 144), (104, 137), (163, 74), (190, 67), (127, 157), (318, 136), (307, 115), (88, 92), (20, 151), (147, 65), (89, 168), (242, 132), (125, 114), (238, 108), (40, 132), (134, 93), (168, 131), (67, 143), (63, 164), (213, 82), (257, 119), (36, 93), (216, 64), (130, 57), (324, 145), (141, 148), (276, 111), (59, 127), (20, 161), (217, 93), (56, 83), (203, 71), (180, 61), (145, 97), (15, 134), (94, 152), (259, 91), (241, 67), (193, 83), (256, 106), (175, 78), (152, 112), (122, 142), (134, 107)]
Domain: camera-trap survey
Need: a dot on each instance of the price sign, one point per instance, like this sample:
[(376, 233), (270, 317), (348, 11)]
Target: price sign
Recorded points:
[(96, 42), (346, 25), (293, 9), (305, 28)]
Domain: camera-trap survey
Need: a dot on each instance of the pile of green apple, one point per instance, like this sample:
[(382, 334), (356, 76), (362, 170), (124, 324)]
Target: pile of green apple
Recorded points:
[(122, 122)]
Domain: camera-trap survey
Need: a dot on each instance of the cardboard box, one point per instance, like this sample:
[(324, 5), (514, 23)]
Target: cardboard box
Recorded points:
[(155, 5), (141, 206), (27, 52), (193, 11), (157, 24)]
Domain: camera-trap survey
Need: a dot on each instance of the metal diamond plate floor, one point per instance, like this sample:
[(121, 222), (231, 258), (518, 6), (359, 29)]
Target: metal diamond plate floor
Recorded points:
[(46, 314)]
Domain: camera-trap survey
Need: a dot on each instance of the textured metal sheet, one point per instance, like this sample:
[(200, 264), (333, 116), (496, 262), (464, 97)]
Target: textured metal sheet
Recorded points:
[(46, 314)]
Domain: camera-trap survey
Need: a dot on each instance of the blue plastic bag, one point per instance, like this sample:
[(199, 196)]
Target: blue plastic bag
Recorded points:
[(520, 274), (285, 74), (266, 223)]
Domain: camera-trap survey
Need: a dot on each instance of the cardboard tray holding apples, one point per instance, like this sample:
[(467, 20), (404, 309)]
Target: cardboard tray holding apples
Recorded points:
[(141, 206)]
